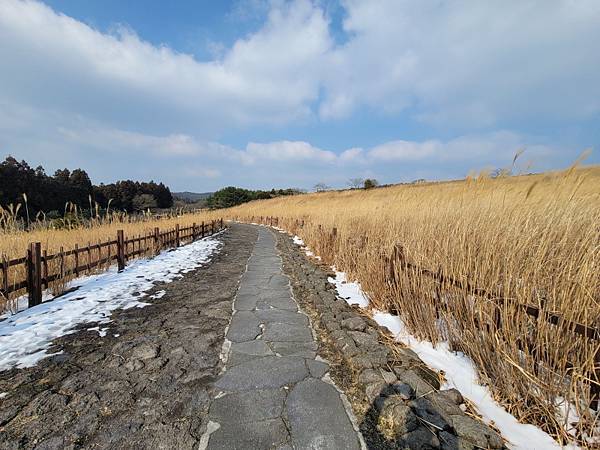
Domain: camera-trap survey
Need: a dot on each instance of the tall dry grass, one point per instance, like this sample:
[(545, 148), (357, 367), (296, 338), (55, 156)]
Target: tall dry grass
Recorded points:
[(532, 239)]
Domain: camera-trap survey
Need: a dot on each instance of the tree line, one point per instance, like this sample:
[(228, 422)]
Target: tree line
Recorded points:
[(233, 196), (20, 183)]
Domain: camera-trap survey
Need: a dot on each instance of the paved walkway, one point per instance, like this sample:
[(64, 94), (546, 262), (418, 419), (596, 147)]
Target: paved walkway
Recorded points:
[(272, 393)]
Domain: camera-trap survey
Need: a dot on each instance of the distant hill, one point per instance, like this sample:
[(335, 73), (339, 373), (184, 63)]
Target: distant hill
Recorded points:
[(191, 197)]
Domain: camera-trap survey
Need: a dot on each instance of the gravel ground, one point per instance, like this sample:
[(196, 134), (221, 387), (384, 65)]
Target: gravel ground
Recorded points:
[(147, 384)]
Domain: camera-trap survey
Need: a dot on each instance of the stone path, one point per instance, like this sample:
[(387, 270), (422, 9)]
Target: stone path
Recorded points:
[(273, 393)]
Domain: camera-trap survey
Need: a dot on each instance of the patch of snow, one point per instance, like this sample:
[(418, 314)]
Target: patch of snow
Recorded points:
[(300, 243), (116, 335), (3, 394), (459, 371), (351, 292), (101, 332), (23, 301), (26, 337), (158, 294)]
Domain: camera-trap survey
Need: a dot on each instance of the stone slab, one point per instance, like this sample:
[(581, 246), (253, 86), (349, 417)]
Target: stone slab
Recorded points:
[(267, 434), (281, 316), (285, 332), (248, 406), (318, 419), (267, 372), (299, 349), (244, 326)]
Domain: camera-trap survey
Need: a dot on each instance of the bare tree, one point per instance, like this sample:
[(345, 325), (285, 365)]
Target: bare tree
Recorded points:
[(320, 187), (355, 183)]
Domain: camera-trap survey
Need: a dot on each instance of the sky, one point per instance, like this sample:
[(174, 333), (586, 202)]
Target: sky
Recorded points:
[(273, 93)]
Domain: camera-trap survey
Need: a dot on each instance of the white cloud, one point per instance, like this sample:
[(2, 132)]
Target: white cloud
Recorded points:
[(287, 151), (124, 108), (449, 62), (465, 62), (112, 139), (476, 148), (202, 172), (405, 150), (269, 77), (187, 160)]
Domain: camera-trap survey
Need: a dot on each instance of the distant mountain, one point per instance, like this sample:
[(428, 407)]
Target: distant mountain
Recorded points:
[(191, 197)]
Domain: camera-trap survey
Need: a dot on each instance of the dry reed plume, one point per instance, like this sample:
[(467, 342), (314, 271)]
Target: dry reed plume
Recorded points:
[(531, 239)]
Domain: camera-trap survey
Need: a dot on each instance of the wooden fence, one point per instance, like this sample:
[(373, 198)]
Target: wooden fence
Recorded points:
[(40, 269), (398, 261)]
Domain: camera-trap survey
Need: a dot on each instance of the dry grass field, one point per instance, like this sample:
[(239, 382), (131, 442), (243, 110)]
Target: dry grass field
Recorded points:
[(531, 239), (14, 243)]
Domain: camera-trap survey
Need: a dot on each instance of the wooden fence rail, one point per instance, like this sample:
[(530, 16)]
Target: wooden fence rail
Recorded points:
[(398, 261), (41, 269)]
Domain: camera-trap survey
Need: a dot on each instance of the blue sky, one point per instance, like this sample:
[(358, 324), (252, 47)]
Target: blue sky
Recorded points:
[(278, 93)]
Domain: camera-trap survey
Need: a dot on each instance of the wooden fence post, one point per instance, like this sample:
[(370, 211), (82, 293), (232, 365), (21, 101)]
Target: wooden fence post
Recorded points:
[(595, 389), (193, 231), (120, 250), (35, 274), (202, 232), (221, 223), (89, 255), (156, 240), (45, 267), (212, 227), (4, 289), (62, 262), (76, 260), (177, 235)]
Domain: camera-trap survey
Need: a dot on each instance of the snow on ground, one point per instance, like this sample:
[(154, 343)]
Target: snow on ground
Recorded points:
[(101, 331), (300, 242), (459, 371), (351, 292), (26, 336), (158, 294)]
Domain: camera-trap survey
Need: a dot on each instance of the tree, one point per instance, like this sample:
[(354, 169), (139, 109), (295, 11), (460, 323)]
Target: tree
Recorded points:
[(321, 187), (356, 183), (79, 178), (62, 175), (50, 193), (229, 196), (232, 196), (370, 183), (142, 202)]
